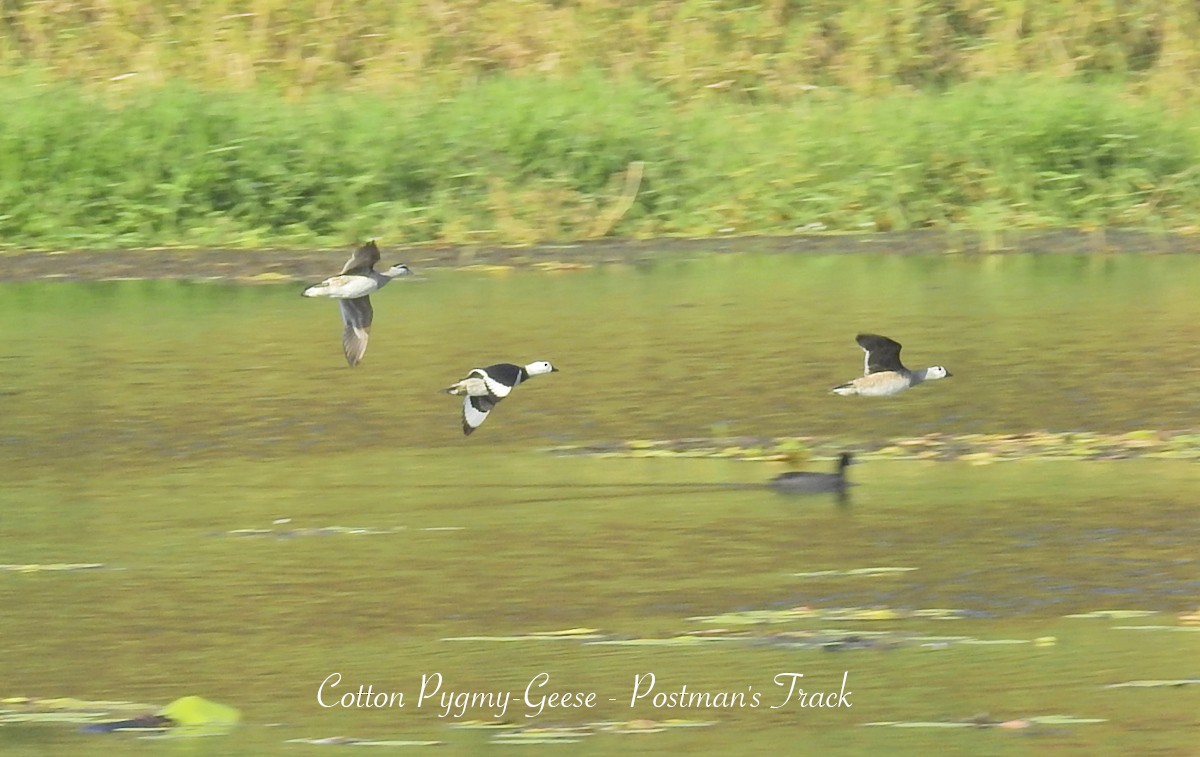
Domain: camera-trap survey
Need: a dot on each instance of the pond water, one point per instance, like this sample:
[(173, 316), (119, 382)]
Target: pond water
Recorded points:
[(264, 516)]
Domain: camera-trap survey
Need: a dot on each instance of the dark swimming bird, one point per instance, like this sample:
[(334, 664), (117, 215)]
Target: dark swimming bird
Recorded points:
[(799, 481), (883, 373), (484, 387), (352, 289)]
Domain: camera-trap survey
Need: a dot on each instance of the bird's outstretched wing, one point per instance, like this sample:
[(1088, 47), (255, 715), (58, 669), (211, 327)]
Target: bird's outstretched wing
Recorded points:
[(475, 412), (363, 260), (883, 354), (357, 315)]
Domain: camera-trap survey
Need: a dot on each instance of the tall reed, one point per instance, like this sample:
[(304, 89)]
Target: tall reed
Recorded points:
[(771, 49)]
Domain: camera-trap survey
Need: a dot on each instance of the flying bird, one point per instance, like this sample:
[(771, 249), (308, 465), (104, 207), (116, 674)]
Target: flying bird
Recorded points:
[(484, 387), (883, 373), (352, 289)]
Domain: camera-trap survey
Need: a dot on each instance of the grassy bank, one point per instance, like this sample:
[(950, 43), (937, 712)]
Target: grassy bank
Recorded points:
[(519, 159), (277, 122)]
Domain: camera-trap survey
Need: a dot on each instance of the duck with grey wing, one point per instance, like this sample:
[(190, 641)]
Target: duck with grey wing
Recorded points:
[(352, 289), (801, 482), (484, 387), (883, 373)]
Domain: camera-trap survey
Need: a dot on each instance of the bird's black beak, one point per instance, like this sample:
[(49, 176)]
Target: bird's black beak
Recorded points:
[(553, 369)]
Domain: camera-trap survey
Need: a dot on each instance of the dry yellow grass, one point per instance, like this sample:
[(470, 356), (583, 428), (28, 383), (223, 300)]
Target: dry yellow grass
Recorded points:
[(775, 49)]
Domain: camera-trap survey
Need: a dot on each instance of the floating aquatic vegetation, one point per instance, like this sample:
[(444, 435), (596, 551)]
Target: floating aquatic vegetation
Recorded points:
[(1153, 684), (577, 634), (548, 738), (543, 735), (685, 640), (1065, 720), (1113, 614), (486, 725), (669, 723), (65, 710), (853, 572), (1156, 628), (266, 277), (635, 726), (986, 721), (829, 640), (923, 724), (487, 268), (510, 733), (974, 448), (186, 716), (51, 567), (1001, 642), (291, 533), (756, 617), (559, 266), (351, 741)]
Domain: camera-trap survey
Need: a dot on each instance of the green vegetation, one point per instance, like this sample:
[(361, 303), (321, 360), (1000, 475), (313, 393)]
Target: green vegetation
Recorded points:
[(979, 449), (272, 123), (775, 49)]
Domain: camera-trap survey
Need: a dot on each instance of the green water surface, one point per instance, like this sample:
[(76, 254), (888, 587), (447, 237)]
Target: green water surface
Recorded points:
[(142, 422)]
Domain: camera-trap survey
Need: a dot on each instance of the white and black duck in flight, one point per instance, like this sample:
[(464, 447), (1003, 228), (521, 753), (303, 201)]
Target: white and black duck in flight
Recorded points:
[(484, 387), (883, 373), (352, 289)]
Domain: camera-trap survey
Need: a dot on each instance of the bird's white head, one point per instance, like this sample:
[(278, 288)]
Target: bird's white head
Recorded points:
[(398, 270), (936, 372), (540, 367)]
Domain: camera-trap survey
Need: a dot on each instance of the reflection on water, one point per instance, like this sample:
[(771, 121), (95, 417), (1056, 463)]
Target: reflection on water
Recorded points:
[(263, 515)]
